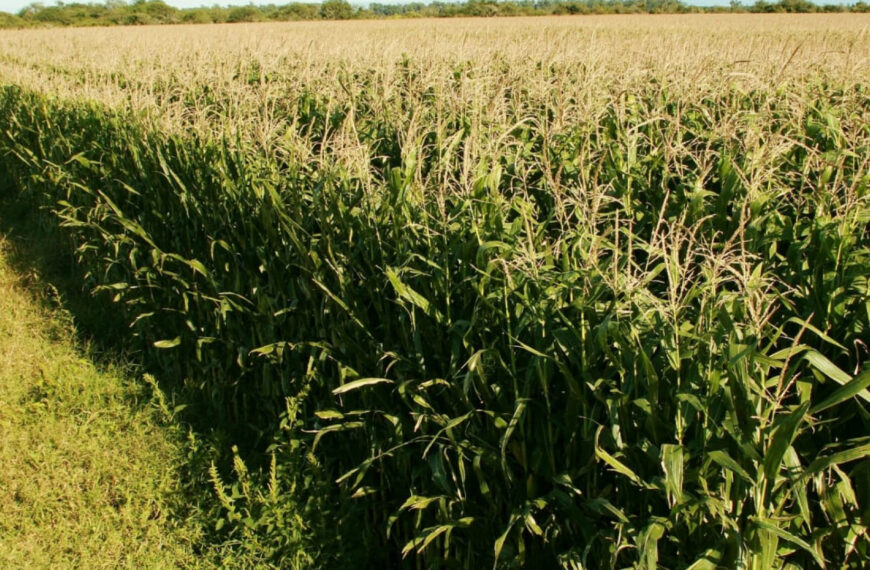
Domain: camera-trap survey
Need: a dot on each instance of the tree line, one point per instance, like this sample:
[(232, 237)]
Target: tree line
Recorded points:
[(118, 12)]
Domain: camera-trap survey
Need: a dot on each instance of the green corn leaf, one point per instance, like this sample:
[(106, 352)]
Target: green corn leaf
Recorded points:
[(418, 503), (519, 409), (845, 456), (780, 442), (408, 294), (329, 414), (340, 303), (361, 383), (771, 527), (826, 367), (614, 463), (420, 543), (726, 461), (672, 464), (171, 343), (347, 426), (856, 386), (650, 537), (707, 561), (498, 546), (819, 333)]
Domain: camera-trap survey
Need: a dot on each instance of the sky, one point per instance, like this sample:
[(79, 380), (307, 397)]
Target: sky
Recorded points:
[(13, 6)]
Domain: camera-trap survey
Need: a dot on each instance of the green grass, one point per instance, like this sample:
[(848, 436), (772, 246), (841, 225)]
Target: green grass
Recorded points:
[(96, 468), (89, 469), (101, 467)]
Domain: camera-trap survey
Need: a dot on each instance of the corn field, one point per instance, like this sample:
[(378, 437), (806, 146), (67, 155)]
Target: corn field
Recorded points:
[(545, 293)]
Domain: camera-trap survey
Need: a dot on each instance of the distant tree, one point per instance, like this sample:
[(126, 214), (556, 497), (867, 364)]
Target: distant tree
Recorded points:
[(136, 19), (197, 16), (51, 15), (240, 14), (336, 10), (796, 6), (10, 21), (158, 10), (296, 11), (30, 9), (109, 12), (481, 8)]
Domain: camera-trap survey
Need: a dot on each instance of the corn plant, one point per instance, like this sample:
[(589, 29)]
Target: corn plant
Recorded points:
[(527, 314)]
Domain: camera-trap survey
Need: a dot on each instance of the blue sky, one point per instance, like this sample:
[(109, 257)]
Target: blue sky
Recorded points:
[(14, 6)]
